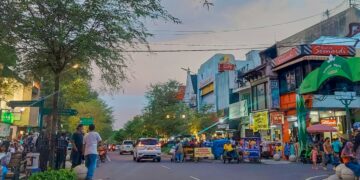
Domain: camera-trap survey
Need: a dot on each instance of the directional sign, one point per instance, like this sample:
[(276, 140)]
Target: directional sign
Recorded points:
[(63, 112), (86, 121), (24, 104)]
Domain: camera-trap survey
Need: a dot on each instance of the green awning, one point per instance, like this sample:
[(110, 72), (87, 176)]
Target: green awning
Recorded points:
[(348, 68)]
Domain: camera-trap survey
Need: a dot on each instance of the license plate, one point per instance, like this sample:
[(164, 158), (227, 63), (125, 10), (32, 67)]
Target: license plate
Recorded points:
[(150, 149)]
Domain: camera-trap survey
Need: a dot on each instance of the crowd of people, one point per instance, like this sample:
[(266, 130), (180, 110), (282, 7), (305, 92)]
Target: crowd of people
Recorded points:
[(84, 149)]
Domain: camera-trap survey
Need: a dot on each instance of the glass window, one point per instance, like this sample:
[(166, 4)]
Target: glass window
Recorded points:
[(261, 96)]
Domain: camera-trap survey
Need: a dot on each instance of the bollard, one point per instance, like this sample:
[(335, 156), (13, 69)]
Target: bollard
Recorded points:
[(80, 172), (277, 157)]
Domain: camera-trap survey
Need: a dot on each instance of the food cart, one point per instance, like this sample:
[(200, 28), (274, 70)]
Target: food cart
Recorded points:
[(250, 149)]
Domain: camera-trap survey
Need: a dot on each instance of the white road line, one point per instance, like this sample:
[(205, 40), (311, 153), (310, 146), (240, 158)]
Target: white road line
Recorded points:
[(165, 167), (314, 177), (194, 178)]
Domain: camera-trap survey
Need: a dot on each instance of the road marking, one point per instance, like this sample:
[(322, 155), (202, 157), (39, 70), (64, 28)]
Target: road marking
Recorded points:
[(165, 167), (314, 177), (194, 178)]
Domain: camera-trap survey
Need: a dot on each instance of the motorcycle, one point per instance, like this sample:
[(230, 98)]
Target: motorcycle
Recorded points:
[(102, 153)]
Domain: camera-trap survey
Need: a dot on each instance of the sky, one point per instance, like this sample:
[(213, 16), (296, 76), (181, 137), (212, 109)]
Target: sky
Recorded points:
[(231, 23)]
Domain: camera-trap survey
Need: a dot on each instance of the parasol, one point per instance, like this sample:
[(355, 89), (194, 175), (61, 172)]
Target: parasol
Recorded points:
[(319, 128)]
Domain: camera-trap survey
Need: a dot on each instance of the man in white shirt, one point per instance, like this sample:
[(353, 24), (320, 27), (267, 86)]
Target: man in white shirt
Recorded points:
[(91, 141)]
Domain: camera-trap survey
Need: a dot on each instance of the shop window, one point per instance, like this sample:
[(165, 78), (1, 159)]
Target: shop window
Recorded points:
[(259, 97), (290, 79)]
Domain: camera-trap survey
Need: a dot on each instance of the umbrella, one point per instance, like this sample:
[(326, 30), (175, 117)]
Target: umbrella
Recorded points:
[(319, 128)]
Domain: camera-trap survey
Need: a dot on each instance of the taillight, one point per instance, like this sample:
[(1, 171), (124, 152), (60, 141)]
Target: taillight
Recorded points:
[(140, 145), (158, 145)]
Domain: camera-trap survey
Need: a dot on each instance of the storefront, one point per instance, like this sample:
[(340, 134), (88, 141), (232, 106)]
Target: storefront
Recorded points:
[(335, 75)]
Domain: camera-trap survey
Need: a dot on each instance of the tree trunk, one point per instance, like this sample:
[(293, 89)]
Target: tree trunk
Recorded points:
[(55, 120)]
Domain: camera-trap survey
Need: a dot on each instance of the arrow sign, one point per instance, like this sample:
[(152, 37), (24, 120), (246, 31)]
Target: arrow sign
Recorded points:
[(24, 104), (63, 112)]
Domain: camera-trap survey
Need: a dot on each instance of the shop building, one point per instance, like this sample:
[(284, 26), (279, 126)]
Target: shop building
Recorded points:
[(215, 81), (190, 96), (327, 86), (17, 121), (264, 95)]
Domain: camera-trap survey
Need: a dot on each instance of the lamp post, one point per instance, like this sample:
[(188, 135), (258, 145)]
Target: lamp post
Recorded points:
[(346, 97)]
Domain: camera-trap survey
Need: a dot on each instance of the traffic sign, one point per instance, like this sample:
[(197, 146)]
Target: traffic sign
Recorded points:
[(86, 121), (63, 112), (24, 103)]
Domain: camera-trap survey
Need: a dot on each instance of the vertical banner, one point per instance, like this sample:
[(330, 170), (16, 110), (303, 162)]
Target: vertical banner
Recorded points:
[(243, 108), (260, 121), (275, 94)]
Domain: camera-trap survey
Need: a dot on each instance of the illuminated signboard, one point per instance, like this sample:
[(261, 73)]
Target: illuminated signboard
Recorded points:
[(7, 117)]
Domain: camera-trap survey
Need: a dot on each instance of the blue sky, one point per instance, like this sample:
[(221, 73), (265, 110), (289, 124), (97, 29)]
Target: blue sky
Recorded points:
[(148, 68)]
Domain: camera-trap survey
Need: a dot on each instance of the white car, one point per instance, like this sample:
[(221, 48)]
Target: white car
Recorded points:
[(127, 146), (147, 148)]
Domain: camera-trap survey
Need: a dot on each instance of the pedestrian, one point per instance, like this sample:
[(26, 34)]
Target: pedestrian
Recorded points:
[(347, 152), (42, 146), (320, 144), (4, 159), (336, 145), (91, 141), (77, 146), (356, 147), (328, 153), (61, 148), (179, 152), (314, 154), (287, 151)]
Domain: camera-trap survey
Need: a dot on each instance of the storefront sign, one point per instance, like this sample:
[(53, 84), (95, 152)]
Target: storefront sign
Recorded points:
[(234, 110), (207, 89), (277, 118), (275, 94), (291, 54), (223, 126), (244, 108), (7, 117), (329, 122), (4, 130), (225, 64), (326, 50), (203, 152), (260, 121)]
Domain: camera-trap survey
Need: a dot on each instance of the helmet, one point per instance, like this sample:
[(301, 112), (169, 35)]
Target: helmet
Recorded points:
[(356, 125)]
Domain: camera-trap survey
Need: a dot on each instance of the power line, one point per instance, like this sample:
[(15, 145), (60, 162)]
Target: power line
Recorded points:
[(189, 32), (288, 44)]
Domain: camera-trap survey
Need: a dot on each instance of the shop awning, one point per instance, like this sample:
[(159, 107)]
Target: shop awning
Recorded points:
[(304, 58), (320, 128), (335, 67)]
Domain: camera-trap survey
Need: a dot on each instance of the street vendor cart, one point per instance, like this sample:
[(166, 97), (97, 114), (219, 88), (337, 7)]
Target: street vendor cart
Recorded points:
[(250, 149)]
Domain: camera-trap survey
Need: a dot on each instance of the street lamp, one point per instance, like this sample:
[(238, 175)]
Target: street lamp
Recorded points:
[(183, 116), (346, 97), (75, 66), (167, 116)]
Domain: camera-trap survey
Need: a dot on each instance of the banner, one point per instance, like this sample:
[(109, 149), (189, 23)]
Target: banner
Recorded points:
[(4, 130), (203, 152), (234, 110), (275, 94), (276, 118), (260, 121)]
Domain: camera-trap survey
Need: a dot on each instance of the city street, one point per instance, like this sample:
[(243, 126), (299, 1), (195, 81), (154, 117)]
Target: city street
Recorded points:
[(122, 167)]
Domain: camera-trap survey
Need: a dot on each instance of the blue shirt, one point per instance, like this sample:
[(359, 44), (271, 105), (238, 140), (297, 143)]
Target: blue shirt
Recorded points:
[(336, 146)]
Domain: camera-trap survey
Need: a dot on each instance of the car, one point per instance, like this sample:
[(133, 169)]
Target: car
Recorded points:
[(127, 146), (147, 148)]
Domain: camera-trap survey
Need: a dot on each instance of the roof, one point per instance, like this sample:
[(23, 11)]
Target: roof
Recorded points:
[(304, 58), (194, 81), (331, 40)]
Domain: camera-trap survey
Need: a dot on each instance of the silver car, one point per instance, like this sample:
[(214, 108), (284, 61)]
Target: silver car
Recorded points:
[(147, 148)]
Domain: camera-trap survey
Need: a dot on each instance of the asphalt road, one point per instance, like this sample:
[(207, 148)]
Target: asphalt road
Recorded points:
[(123, 167)]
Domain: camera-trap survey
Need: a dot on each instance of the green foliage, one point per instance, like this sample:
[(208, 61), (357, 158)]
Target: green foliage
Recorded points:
[(61, 174), (166, 116), (97, 109)]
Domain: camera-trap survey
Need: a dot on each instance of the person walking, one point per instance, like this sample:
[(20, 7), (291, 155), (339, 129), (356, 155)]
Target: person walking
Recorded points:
[(77, 146), (356, 147), (42, 147), (61, 148), (91, 141), (179, 152), (314, 154), (337, 146), (328, 153)]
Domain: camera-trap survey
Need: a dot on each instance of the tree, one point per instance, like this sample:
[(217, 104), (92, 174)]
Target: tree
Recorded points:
[(54, 35)]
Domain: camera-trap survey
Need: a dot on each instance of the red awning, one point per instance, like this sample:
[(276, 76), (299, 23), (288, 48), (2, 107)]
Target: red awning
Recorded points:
[(319, 128)]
